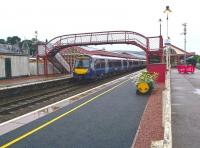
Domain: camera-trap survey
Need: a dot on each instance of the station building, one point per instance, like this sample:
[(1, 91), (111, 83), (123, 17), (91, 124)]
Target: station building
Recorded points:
[(177, 55)]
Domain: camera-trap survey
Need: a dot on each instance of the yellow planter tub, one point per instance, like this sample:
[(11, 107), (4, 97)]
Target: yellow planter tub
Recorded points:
[(143, 87)]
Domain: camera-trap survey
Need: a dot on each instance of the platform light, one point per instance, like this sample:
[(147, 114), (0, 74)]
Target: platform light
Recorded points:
[(167, 11), (160, 21), (36, 34), (184, 33)]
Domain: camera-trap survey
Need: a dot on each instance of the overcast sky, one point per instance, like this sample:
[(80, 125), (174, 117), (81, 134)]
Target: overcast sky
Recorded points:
[(57, 17)]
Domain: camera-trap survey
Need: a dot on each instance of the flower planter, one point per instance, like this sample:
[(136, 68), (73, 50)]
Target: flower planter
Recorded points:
[(145, 83)]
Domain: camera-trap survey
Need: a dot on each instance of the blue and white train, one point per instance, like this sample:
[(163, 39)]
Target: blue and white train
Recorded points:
[(95, 66)]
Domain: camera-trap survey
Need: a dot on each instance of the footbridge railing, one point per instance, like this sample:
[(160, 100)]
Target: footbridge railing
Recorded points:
[(97, 38), (151, 45)]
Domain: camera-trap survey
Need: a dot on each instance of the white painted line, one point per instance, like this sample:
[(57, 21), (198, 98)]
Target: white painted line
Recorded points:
[(7, 126), (176, 104)]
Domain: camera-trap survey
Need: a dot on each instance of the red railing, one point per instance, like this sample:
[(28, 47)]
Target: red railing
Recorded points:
[(98, 38), (148, 44)]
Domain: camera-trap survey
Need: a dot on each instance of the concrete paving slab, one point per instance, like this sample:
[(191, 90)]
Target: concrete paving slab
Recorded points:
[(186, 116)]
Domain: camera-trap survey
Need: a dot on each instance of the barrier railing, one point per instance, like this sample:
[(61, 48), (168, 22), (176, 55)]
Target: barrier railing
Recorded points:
[(185, 68)]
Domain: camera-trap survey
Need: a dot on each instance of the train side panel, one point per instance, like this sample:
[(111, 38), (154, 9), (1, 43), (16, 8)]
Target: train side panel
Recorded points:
[(100, 66)]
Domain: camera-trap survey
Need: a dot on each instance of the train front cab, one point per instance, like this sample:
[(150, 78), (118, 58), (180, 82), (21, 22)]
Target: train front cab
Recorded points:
[(82, 68)]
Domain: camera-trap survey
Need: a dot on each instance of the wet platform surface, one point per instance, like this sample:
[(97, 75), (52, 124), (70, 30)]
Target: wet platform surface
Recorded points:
[(185, 109), (107, 118), (4, 83)]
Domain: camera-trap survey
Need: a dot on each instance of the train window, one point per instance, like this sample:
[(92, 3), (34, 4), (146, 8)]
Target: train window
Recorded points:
[(109, 63), (125, 63), (115, 63), (100, 63), (135, 62), (118, 63), (82, 63), (97, 63)]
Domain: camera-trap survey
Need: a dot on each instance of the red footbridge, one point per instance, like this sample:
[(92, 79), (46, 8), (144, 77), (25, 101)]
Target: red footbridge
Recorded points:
[(153, 46)]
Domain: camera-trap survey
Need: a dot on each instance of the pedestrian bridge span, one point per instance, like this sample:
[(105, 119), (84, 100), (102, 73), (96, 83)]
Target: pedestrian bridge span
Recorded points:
[(107, 37), (49, 51)]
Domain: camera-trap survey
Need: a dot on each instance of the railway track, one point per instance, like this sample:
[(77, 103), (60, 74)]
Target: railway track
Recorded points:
[(14, 105), (38, 98)]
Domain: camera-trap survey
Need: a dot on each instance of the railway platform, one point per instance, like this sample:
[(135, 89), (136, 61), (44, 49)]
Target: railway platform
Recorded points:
[(106, 116), (185, 97), (29, 80), (18, 86)]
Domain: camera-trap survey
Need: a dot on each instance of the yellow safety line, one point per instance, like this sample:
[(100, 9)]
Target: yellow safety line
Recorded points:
[(55, 119)]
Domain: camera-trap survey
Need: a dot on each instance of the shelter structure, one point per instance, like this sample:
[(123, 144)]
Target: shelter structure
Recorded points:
[(177, 55)]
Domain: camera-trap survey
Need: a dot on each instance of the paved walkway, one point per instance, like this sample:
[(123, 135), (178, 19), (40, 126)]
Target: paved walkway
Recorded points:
[(185, 109), (151, 123)]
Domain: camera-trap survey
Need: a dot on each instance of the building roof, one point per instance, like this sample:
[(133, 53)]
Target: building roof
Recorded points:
[(179, 51), (95, 51), (5, 48)]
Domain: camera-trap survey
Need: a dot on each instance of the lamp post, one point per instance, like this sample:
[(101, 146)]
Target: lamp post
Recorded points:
[(167, 11), (184, 33), (160, 21), (36, 34)]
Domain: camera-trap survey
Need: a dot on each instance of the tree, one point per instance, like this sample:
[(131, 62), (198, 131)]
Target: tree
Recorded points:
[(13, 40), (28, 45), (195, 59), (2, 41)]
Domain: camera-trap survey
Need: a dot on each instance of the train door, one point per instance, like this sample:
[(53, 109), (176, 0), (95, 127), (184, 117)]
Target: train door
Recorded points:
[(8, 73), (106, 66), (100, 67), (125, 64), (103, 65)]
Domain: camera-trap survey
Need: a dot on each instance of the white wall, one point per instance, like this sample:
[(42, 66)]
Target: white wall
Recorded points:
[(19, 65), (2, 67), (33, 68)]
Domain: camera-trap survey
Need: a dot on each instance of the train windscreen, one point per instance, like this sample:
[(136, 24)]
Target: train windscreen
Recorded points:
[(82, 63)]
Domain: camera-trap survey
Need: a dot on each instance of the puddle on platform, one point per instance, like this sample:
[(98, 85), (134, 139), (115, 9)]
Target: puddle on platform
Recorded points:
[(197, 91)]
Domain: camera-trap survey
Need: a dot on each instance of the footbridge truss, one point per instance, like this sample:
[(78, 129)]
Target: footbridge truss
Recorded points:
[(106, 37), (150, 45)]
